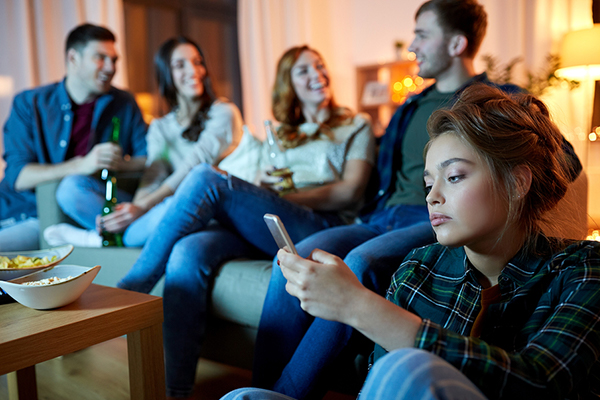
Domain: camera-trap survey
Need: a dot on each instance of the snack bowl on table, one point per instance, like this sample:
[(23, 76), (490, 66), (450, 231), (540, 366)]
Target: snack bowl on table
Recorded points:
[(52, 295), (60, 252)]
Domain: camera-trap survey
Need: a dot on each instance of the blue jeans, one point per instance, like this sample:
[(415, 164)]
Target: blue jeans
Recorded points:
[(187, 247), (401, 374), (20, 235), (82, 197), (417, 374), (293, 349), (139, 231)]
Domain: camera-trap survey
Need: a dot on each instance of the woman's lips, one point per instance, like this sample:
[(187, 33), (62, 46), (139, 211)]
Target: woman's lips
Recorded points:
[(438, 219)]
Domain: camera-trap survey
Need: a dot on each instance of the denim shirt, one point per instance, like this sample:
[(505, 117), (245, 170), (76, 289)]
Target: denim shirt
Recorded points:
[(38, 130)]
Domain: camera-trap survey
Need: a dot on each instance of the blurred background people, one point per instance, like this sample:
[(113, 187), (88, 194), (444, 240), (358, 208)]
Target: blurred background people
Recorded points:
[(200, 128), (330, 152)]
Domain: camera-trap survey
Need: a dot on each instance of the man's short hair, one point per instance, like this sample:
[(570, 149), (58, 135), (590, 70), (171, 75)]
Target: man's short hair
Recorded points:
[(466, 17), (79, 37)]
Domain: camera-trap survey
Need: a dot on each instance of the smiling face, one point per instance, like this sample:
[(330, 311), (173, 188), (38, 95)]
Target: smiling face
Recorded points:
[(463, 207), (92, 67), (431, 46), (310, 80), (188, 71)]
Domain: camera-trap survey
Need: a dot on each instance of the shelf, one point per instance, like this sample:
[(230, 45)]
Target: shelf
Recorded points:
[(401, 80)]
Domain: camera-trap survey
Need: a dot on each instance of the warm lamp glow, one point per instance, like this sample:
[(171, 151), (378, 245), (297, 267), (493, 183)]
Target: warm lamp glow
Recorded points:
[(580, 55), (6, 86), (146, 103), (595, 235)]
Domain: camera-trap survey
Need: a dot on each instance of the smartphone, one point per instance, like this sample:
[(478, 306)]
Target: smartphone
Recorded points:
[(279, 233)]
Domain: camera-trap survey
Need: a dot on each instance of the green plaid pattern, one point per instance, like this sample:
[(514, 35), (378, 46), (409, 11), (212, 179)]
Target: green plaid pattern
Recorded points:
[(541, 341)]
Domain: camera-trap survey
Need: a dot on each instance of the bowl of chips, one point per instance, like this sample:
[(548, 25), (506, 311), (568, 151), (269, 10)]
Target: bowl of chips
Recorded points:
[(51, 287), (18, 263)]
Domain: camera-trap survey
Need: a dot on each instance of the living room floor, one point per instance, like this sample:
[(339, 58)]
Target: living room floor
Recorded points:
[(100, 372)]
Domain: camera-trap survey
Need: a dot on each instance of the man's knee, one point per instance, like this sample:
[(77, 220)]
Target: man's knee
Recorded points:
[(71, 185)]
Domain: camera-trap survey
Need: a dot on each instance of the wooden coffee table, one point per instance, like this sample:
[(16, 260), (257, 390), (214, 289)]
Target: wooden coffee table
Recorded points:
[(28, 337)]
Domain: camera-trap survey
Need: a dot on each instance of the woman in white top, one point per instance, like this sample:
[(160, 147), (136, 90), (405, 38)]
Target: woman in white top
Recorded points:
[(199, 129), (330, 151)]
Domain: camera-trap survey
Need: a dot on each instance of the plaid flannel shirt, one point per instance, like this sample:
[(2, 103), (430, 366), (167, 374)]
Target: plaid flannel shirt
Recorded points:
[(541, 341)]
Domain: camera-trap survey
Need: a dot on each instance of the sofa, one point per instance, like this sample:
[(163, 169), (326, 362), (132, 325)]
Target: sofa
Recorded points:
[(240, 286), (237, 294)]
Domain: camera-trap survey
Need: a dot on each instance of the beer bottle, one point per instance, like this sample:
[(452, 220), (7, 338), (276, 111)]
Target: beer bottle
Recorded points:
[(278, 160), (108, 238), (276, 151)]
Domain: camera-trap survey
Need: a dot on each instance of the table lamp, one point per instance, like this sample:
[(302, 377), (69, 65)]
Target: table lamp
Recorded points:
[(580, 61), (580, 55)]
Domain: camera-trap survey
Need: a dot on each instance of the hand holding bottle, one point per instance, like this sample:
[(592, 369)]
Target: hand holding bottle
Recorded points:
[(123, 215), (102, 156), (108, 238)]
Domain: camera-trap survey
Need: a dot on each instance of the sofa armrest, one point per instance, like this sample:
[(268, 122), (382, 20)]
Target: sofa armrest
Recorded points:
[(49, 213)]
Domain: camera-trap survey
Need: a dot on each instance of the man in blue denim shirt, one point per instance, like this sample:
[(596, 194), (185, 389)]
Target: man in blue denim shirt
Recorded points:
[(294, 351), (64, 129)]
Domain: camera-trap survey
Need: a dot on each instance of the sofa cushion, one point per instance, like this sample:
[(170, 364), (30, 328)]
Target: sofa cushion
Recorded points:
[(239, 291)]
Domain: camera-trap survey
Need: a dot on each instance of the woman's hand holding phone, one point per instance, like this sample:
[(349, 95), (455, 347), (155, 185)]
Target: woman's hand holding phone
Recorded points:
[(323, 283)]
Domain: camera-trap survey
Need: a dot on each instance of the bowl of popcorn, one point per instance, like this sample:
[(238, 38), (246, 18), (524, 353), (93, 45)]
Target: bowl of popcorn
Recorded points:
[(51, 287)]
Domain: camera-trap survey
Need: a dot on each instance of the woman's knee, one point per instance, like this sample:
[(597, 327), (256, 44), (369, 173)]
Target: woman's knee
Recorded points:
[(189, 257), (254, 394), (204, 173), (419, 374), (201, 178), (360, 262)]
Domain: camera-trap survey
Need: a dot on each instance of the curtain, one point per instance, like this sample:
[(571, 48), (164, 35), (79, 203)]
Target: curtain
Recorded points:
[(32, 41)]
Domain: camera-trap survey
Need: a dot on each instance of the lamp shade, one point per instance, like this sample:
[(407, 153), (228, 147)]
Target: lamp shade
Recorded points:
[(6, 86), (580, 55)]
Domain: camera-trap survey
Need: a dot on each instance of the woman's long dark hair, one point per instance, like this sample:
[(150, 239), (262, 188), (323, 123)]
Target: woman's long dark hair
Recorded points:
[(166, 87)]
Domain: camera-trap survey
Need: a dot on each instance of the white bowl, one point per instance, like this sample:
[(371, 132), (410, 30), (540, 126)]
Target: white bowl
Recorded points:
[(55, 295), (11, 273)]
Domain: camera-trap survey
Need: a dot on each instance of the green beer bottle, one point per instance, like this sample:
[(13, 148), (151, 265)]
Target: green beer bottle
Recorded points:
[(108, 238)]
